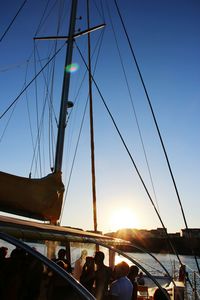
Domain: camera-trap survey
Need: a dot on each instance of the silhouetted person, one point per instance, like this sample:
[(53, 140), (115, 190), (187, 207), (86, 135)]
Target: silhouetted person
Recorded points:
[(57, 285), (62, 256), (160, 295), (88, 274), (15, 273), (33, 278), (121, 288), (182, 273), (132, 275), (59, 288), (102, 276), (79, 263), (140, 279)]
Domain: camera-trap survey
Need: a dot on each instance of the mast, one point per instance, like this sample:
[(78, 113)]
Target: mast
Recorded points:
[(65, 91), (91, 126)]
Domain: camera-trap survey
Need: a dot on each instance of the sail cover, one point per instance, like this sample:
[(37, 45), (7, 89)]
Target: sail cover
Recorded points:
[(33, 198)]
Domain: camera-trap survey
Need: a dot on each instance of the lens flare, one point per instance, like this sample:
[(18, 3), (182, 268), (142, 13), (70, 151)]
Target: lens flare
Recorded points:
[(72, 68)]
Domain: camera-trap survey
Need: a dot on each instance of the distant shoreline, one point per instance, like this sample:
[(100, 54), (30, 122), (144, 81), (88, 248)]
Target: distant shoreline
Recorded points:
[(180, 245)]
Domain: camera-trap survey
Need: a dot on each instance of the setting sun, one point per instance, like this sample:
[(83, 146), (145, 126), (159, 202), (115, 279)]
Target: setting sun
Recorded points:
[(123, 218)]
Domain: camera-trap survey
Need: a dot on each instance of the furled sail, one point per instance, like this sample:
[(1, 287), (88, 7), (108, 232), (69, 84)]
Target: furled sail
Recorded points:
[(35, 198)]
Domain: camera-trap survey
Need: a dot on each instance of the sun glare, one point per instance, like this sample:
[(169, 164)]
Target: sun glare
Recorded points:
[(123, 218)]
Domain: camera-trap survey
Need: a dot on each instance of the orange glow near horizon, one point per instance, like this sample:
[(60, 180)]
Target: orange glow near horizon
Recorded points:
[(123, 218)]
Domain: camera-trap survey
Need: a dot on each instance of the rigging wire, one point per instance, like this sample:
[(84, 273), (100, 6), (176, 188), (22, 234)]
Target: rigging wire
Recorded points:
[(13, 109), (29, 115), (7, 123), (100, 11), (27, 85), (13, 66), (30, 82), (41, 123), (73, 161), (31, 55), (49, 95), (38, 141), (52, 140), (38, 138), (12, 21), (51, 113), (43, 15), (48, 80), (157, 128), (96, 48), (134, 110), (131, 157), (61, 15), (37, 112), (133, 107)]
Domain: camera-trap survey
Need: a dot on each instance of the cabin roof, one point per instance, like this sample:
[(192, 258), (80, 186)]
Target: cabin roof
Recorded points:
[(31, 230)]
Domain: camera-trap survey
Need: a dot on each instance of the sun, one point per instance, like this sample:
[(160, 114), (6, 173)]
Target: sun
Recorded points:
[(123, 218)]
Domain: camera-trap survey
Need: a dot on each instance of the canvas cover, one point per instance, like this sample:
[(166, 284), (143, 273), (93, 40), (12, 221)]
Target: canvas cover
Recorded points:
[(35, 198)]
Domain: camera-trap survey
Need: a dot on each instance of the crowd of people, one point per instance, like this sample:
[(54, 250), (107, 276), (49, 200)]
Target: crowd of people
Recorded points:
[(30, 280), (105, 283)]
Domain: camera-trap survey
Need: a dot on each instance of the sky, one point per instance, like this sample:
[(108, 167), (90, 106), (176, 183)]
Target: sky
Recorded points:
[(166, 42)]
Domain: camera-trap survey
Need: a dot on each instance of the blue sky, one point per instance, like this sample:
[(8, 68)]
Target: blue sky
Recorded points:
[(166, 41)]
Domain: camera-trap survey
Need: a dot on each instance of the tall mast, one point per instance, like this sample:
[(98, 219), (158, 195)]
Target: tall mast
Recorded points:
[(65, 91), (91, 126)]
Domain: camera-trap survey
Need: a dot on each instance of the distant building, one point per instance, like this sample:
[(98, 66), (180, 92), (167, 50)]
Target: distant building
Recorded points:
[(159, 232), (191, 232), (174, 235)]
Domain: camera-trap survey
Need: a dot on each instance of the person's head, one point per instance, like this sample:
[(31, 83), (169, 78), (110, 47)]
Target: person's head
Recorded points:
[(121, 269), (161, 295), (18, 253), (89, 261), (133, 272), (99, 257), (84, 253), (61, 254)]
